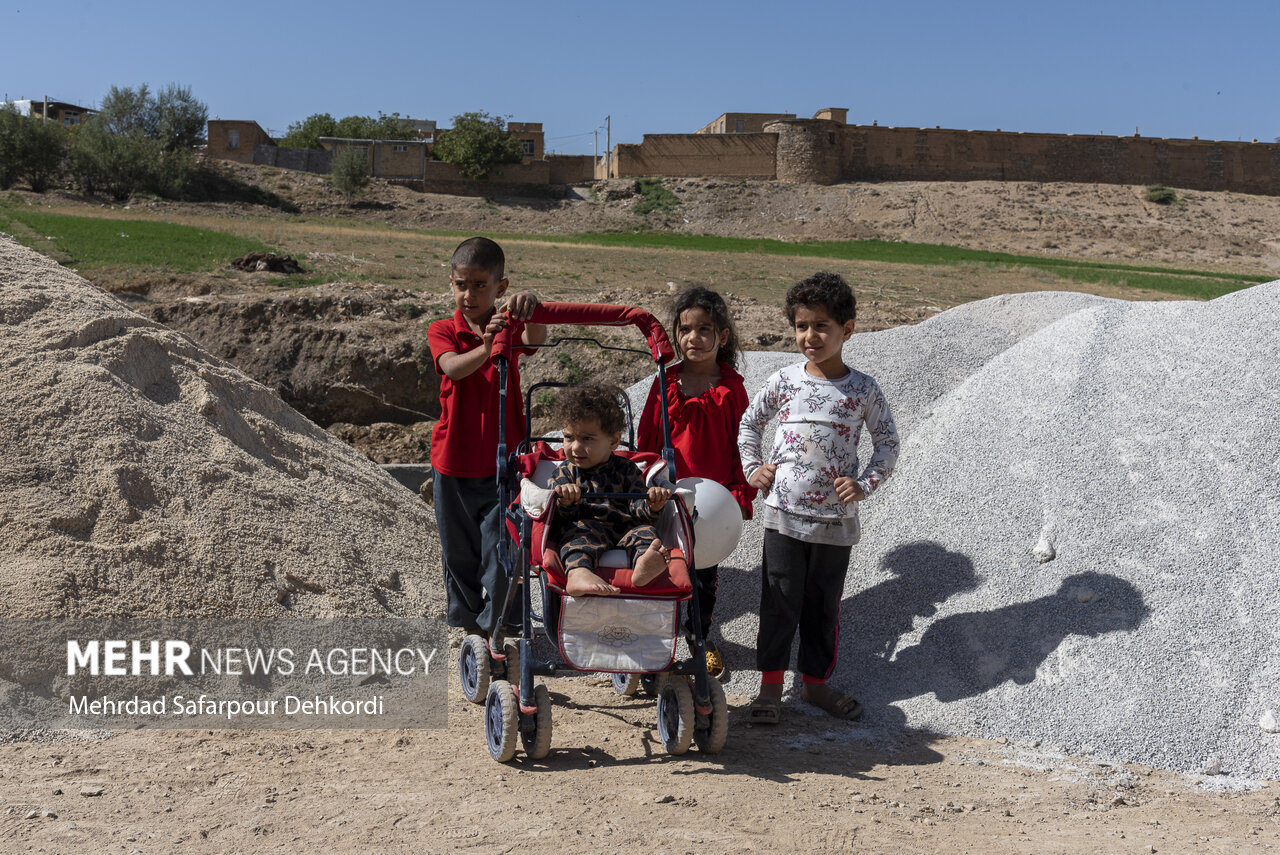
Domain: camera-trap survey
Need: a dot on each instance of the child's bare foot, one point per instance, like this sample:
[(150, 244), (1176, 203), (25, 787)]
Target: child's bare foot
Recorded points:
[(582, 582), (649, 565)]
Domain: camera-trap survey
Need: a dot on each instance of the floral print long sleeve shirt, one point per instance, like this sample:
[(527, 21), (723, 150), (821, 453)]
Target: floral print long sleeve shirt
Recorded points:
[(819, 424)]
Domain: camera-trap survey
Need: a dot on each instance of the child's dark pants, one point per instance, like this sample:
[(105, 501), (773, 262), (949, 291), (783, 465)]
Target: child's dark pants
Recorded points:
[(801, 585)]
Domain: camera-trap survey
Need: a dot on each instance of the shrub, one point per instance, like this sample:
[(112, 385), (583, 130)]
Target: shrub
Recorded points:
[(1161, 195), (118, 164), (654, 197), (349, 172)]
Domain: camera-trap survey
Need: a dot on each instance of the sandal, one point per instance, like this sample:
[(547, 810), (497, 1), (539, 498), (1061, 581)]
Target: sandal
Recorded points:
[(840, 705), (764, 711)]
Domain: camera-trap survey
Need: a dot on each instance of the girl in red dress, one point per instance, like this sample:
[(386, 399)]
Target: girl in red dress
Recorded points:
[(705, 399)]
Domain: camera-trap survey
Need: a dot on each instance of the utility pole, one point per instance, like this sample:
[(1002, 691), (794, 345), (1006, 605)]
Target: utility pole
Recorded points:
[(608, 147)]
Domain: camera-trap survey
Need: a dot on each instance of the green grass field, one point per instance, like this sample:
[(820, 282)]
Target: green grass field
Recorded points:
[(1187, 283), (88, 242)]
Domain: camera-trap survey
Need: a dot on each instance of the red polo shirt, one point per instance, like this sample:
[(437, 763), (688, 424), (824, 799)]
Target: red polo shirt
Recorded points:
[(464, 443)]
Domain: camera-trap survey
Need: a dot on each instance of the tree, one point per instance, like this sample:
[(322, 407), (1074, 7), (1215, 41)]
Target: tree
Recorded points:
[(43, 153), (139, 142), (30, 148), (10, 146), (173, 116), (180, 118), (349, 171), (477, 143), (307, 133)]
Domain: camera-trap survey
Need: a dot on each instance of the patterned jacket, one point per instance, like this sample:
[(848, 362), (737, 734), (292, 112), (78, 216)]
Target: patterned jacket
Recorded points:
[(819, 423), (612, 516)]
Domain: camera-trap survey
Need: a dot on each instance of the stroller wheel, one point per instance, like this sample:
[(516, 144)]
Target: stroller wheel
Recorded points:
[(675, 715), (501, 720), (537, 740), (473, 668), (710, 738), (651, 684), (626, 684)]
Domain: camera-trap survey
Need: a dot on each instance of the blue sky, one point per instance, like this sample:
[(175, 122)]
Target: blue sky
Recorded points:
[(1172, 69)]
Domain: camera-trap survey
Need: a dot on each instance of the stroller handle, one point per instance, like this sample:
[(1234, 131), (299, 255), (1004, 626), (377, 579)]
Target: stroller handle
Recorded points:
[(588, 314)]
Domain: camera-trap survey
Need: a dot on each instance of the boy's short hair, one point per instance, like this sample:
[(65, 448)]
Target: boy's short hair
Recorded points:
[(480, 252), (586, 401), (828, 290)]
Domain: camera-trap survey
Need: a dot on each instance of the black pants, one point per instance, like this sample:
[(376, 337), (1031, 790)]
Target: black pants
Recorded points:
[(470, 523), (801, 586), (707, 579)]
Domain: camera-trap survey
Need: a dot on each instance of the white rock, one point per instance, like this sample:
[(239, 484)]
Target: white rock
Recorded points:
[(1043, 550), (1269, 723), (1213, 766)]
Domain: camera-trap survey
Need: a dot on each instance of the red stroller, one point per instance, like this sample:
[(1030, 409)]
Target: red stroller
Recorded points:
[(631, 635)]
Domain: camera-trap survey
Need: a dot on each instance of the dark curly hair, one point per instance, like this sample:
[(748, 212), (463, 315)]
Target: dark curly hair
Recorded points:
[(591, 401), (826, 291), (713, 304)]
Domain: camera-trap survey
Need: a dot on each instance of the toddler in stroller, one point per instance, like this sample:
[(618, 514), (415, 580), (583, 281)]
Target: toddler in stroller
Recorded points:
[(607, 542)]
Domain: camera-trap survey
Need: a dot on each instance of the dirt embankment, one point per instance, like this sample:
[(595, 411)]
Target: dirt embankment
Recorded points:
[(351, 354)]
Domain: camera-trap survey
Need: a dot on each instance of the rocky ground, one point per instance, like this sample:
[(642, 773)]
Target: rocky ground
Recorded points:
[(606, 787)]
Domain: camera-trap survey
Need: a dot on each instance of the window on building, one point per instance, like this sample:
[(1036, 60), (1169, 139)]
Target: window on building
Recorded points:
[(233, 139), (70, 119), (528, 147), (739, 126), (399, 147)]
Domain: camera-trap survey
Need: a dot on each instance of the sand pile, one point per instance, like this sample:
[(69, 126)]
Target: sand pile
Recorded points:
[(1081, 541), (141, 476)]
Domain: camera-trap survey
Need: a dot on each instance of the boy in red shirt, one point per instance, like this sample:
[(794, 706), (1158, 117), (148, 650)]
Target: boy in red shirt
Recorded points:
[(464, 443)]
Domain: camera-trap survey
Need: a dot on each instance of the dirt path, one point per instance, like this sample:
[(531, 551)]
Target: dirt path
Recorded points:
[(606, 787)]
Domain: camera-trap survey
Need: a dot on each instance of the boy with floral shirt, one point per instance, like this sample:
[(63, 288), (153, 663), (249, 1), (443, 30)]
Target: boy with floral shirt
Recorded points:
[(812, 489)]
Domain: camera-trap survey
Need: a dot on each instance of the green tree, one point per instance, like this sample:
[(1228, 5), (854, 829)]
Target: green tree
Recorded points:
[(30, 148), (44, 151), (139, 142), (477, 143), (10, 146), (181, 119), (349, 171), (307, 133), (173, 115)]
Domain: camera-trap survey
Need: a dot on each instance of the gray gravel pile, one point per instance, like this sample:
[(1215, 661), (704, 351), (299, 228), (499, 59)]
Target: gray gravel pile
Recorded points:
[(139, 475), (1080, 542)]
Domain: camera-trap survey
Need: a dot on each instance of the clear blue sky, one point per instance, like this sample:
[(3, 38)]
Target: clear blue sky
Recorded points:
[(1172, 69)]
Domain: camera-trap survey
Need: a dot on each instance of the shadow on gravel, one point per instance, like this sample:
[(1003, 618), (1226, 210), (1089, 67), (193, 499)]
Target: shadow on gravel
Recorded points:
[(965, 654)]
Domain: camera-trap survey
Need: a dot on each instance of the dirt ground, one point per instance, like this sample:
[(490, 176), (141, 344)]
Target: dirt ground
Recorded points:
[(607, 786), (809, 785)]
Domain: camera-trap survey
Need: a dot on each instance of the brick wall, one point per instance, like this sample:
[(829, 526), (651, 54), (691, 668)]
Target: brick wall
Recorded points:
[(936, 154), (297, 159), (694, 155), (572, 168), (246, 135)]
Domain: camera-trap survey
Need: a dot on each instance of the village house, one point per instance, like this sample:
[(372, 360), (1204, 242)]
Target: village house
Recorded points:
[(234, 139), (55, 111)]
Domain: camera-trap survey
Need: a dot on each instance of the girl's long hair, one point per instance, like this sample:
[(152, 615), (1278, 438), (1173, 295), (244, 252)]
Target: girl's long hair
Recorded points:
[(714, 305)]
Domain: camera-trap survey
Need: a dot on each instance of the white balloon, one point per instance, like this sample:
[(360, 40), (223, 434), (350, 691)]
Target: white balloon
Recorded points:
[(718, 524)]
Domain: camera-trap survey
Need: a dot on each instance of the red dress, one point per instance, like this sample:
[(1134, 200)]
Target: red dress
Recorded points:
[(704, 431)]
